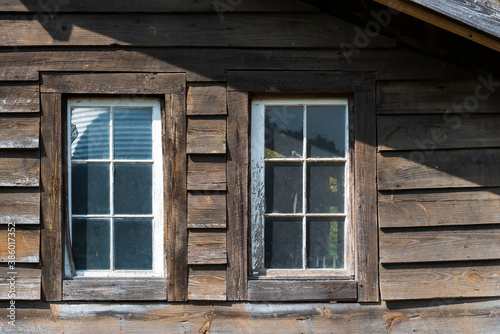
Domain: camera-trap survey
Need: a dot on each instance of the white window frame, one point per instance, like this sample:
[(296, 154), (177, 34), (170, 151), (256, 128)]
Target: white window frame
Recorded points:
[(257, 194), (157, 184)]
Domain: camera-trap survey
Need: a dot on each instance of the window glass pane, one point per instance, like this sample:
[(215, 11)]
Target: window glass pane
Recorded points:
[(283, 244), (90, 133), (133, 189), (325, 244), (90, 188), (326, 132), (90, 241), (283, 187), (133, 242), (325, 188), (132, 133), (284, 128)]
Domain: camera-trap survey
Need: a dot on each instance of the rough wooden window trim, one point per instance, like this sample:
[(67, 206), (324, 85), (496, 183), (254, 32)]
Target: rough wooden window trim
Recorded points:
[(171, 86), (361, 87)]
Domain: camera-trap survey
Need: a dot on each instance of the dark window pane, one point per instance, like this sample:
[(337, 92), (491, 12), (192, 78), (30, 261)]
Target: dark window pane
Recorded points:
[(326, 132), (283, 244), (283, 184), (90, 241), (90, 188), (325, 244), (90, 133), (133, 189), (132, 133), (325, 188), (284, 128), (133, 242)]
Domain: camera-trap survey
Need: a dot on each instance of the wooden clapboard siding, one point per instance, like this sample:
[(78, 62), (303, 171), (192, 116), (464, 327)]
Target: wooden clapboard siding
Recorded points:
[(19, 206), (439, 207), (27, 283), (114, 289), (207, 283), (428, 132), (203, 99), (438, 245), (439, 169), (440, 280), (243, 30), (206, 135), (403, 97), (25, 245), (206, 209), (18, 97), (19, 169), (207, 247), (206, 172), (19, 132)]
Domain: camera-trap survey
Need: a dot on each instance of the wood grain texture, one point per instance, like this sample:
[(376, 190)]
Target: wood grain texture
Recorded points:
[(207, 247), (200, 29), (19, 169), (203, 99), (237, 179), (206, 172), (19, 206), (206, 209), (439, 208), (302, 290), (207, 283), (439, 169), (440, 281), (25, 245), (17, 97), (206, 135), (86, 289), (27, 283), (413, 132), (19, 132)]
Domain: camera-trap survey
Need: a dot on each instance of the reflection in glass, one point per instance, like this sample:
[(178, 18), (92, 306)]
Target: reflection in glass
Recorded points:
[(90, 188), (325, 188), (90, 133), (283, 243), (283, 187), (133, 191), (325, 244), (133, 240), (132, 133), (284, 128), (326, 126), (90, 243)]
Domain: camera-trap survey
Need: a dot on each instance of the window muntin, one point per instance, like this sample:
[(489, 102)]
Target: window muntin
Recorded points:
[(300, 204), (115, 184)]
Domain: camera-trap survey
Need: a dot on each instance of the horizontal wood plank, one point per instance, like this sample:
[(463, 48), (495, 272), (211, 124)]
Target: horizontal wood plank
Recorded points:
[(428, 132), (206, 135), (439, 208), (438, 169), (206, 209), (203, 99), (302, 290), (207, 283), (19, 97), (24, 244), (206, 172), (19, 169), (85, 289), (440, 281), (206, 247), (27, 284), (19, 132)]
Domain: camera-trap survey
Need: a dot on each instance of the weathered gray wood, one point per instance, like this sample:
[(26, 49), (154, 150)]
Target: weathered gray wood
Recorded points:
[(19, 132), (302, 290), (19, 97), (85, 289), (207, 283), (439, 169), (206, 135), (413, 132), (24, 243), (440, 281), (19, 169), (19, 206), (241, 30), (438, 245), (206, 172), (206, 209), (439, 208), (203, 99), (207, 247), (27, 283), (114, 83)]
